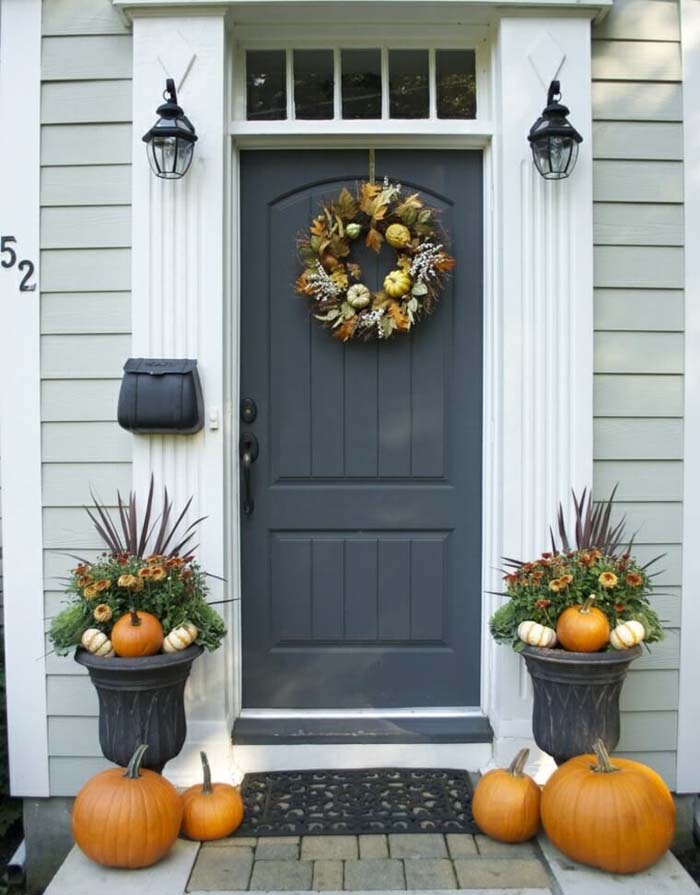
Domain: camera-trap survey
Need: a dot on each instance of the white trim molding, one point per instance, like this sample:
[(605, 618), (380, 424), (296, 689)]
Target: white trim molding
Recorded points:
[(688, 756), (20, 410)]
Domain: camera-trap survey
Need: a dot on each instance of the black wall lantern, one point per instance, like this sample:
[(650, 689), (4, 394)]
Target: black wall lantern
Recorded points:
[(170, 142), (554, 142)]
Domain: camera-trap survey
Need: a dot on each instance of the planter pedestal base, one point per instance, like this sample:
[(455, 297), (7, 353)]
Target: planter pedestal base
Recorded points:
[(576, 698)]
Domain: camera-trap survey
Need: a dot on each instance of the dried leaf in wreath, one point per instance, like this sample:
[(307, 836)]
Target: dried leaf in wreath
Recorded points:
[(345, 205), (374, 240), (368, 193), (318, 227), (354, 270)]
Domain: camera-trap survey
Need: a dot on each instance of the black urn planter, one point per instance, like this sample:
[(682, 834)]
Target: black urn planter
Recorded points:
[(141, 701), (576, 698)]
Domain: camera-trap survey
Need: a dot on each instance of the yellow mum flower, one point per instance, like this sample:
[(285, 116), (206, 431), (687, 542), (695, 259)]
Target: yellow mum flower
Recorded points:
[(90, 592), (555, 585), (102, 584), (131, 582), (566, 579), (102, 613), (607, 580)]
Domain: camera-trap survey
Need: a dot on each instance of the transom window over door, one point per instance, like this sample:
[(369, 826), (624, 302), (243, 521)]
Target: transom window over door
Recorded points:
[(360, 83)]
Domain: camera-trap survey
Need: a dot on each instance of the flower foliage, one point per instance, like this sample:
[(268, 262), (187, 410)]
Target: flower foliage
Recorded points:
[(375, 214), (593, 563)]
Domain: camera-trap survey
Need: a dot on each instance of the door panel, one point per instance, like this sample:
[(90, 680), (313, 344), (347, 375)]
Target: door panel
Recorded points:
[(361, 561)]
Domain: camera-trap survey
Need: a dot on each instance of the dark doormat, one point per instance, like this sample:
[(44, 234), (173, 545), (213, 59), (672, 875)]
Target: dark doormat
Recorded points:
[(378, 800)]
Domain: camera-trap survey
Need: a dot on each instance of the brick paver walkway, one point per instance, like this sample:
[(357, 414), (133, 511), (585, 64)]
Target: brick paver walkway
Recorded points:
[(367, 863)]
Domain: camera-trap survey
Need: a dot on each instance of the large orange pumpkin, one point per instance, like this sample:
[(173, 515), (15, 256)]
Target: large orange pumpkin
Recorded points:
[(211, 810), (137, 634), (616, 814), (583, 629), (127, 818), (506, 803)]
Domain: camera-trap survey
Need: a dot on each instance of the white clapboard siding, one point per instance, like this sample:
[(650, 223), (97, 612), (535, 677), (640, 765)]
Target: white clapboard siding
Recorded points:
[(648, 267), (68, 775), (62, 17), (67, 270), (637, 101), (69, 484), (63, 102), (93, 57), (71, 695), (73, 736), (638, 439), (654, 310), (86, 185), (666, 601), (637, 396), (617, 223), (101, 226), (61, 665), (656, 731), (638, 352), (56, 564), (69, 528), (86, 144), (85, 312), (637, 181), (626, 60), (85, 443), (649, 691), (639, 479), (75, 400), (652, 523), (83, 356), (668, 566), (664, 655), (639, 20), (637, 140)]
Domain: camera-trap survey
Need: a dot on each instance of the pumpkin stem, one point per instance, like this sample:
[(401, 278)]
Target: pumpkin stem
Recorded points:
[(133, 771), (586, 608), (603, 764), (135, 620), (206, 787), (519, 762)]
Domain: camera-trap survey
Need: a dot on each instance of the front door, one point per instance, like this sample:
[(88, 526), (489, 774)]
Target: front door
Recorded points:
[(361, 561)]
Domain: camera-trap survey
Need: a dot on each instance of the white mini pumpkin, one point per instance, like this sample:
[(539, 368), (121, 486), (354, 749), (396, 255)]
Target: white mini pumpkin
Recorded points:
[(97, 643), (535, 634), (180, 638), (358, 296), (627, 634)]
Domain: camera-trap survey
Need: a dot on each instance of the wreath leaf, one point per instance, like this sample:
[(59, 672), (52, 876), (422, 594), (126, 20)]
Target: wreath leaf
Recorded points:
[(374, 240), (346, 205)]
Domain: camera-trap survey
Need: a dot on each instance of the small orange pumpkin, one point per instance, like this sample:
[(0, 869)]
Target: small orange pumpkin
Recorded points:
[(127, 818), (137, 634), (583, 629), (212, 810), (506, 803), (616, 814)]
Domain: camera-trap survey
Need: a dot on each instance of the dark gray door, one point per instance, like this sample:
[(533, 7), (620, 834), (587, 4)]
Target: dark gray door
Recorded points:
[(361, 561)]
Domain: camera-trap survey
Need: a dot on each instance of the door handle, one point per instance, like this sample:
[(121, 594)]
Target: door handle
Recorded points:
[(248, 449)]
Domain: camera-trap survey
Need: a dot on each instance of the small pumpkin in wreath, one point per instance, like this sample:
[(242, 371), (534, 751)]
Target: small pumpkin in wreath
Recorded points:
[(333, 281)]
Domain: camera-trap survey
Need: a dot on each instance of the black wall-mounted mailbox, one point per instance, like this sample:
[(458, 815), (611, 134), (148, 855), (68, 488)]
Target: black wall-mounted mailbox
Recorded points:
[(161, 396)]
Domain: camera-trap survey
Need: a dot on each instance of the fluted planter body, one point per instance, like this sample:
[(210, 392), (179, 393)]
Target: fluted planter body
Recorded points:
[(576, 698), (141, 701)]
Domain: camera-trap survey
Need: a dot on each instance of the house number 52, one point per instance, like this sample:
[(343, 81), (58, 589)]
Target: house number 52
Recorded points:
[(10, 259)]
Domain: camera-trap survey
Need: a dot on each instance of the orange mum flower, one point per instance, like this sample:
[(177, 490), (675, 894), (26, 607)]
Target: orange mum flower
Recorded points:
[(542, 604), (102, 584), (158, 573), (175, 562), (620, 607), (102, 613), (634, 579), (146, 572), (555, 586), (90, 592), (565, 580), (84, 580), (607, 580)]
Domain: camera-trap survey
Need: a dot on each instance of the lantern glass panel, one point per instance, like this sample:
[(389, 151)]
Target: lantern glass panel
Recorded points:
[(170, 157), (555, 157)]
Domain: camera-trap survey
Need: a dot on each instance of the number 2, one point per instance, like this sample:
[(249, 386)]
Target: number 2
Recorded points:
[(24, 286)]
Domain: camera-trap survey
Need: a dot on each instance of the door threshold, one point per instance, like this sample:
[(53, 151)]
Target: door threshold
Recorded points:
[(256, 729)]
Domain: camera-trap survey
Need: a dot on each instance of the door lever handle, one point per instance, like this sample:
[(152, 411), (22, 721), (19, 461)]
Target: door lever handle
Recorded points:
[(248, 449)]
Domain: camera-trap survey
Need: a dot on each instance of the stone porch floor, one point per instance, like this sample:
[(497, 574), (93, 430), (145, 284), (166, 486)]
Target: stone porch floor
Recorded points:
[(397, 862)]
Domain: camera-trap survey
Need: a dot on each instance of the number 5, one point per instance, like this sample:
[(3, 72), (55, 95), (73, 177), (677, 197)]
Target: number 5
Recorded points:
[(4, 247)]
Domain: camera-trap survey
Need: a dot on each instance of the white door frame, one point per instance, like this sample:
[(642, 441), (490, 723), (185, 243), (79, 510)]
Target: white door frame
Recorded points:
[(537, 404)]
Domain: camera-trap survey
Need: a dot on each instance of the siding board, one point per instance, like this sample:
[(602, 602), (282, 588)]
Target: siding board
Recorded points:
[(85, 443), (638, 267), (85, 144), (637, 101), (86, 185), (60, 17), (65, 102), (68, 775), (67, 270), (627, 60), (84, 356), (657, 310), (637, 181), (69, 484), (637, 140), (71, 695), (640, 20), (86, 227), (636, 224), (655, 730), (69, 528), (638, 352), (653, 523), (650, 691), (637, 396), (94, 57), (73, 736), (85, 312), (71, 400), (638, 439), (639, 479)]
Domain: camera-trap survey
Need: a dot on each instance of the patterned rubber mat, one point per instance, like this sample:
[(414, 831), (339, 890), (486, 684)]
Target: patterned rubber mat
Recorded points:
[(378, 800)]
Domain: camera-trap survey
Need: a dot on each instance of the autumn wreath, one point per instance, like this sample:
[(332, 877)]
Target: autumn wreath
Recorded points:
[(378, 213)]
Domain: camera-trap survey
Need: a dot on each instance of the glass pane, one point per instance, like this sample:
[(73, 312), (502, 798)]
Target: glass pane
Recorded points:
[(362, 83), (266, 79), (408, 84), (455, 73), (313, 84)]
